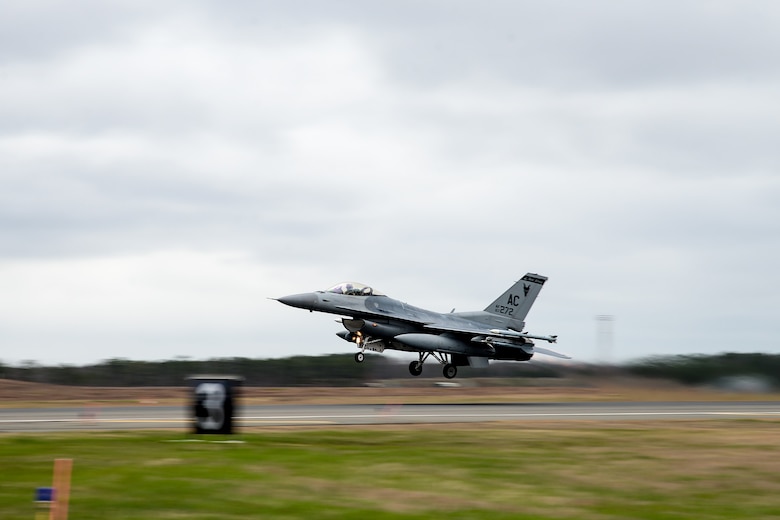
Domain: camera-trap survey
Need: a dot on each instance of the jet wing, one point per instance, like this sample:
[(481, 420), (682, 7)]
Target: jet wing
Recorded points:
[(504, 334), (379, 313), (494, 333), (480, 331), (476, 331)]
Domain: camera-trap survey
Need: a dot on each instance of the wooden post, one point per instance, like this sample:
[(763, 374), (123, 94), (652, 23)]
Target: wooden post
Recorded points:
[(62, 470)]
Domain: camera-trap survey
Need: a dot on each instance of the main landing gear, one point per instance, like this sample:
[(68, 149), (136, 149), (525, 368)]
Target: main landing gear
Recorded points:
[(449, 371)]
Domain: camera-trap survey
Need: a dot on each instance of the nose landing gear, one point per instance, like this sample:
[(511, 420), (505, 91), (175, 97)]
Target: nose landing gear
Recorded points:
[(366, 343)]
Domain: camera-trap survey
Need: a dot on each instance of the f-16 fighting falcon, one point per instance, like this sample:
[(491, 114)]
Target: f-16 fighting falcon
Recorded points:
[(375, 322)]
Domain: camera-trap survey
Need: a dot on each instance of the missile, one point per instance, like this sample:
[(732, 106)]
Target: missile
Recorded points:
[(514, 334)]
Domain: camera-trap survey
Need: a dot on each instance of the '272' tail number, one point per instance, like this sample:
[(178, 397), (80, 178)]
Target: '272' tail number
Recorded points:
[(502, 309)]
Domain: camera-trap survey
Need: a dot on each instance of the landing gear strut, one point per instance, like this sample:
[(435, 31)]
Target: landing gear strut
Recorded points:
[(415, 367), (449, 371)]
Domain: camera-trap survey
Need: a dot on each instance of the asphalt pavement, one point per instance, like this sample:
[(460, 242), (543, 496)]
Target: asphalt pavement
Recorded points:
[(252, 416)]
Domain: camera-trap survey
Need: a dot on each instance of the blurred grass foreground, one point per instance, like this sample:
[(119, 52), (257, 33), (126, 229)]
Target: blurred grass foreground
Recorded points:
[(660, 470)]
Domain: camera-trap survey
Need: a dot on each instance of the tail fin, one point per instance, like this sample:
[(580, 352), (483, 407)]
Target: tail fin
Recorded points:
[(515, 303)]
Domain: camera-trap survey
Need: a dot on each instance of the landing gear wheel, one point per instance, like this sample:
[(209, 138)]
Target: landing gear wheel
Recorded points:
[(450, 371), (415, 368), (359, 357)]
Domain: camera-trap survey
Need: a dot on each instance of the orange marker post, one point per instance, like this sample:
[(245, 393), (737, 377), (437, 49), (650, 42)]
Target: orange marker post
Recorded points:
[(62, 470)]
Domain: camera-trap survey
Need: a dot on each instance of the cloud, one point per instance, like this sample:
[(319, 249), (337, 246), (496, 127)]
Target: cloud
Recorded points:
[(185, 160), (150, 306)]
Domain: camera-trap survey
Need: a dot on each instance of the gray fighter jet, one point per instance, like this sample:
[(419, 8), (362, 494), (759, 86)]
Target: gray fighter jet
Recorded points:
[(375, 322)]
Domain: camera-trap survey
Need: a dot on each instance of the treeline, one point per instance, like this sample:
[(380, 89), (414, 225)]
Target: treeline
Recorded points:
[(331, 370), (707, 370), (341, 370)]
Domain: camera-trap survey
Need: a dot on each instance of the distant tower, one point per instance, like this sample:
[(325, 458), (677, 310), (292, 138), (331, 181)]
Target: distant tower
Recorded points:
[(605, 338)]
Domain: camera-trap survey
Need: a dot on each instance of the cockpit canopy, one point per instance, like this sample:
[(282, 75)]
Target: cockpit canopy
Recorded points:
[(354, 289)]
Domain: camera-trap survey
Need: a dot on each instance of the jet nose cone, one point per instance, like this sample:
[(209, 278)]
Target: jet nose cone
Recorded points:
[(302, 301)]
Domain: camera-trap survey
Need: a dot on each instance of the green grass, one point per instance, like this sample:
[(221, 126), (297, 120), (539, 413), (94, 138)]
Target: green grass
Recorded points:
[(664, 470)]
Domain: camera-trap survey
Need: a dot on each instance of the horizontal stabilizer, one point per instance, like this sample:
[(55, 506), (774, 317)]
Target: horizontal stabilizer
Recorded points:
[(542, 350)]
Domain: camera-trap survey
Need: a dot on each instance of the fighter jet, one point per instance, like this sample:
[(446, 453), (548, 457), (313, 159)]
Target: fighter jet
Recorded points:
[(375, 322)]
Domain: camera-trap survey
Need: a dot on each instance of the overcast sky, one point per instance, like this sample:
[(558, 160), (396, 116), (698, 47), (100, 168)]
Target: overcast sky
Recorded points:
[(166, 167)]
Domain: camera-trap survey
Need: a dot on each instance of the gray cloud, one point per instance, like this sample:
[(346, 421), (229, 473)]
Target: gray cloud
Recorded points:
[(165, 168)]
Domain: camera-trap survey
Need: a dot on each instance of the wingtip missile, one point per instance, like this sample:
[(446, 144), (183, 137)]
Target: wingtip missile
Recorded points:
[(514, 334)]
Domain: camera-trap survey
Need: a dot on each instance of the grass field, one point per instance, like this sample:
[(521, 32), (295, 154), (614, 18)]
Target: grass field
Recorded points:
[(659, 470)]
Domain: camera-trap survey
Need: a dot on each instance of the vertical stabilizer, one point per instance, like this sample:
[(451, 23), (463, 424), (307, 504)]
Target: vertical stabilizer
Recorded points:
[(515, 303)]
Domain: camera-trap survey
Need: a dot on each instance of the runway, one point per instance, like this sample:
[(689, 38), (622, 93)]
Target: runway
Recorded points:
[(173, 417)]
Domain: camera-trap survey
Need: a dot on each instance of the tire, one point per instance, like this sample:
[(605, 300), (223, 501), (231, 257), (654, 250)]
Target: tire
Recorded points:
[(359, 357), (415, 368), (450, 371)]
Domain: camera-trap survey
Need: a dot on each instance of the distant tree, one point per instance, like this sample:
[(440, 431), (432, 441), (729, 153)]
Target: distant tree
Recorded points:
[(702, 369)]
